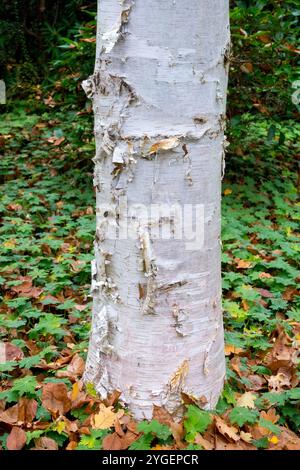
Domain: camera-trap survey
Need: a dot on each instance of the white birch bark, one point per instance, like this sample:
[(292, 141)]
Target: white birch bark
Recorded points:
[(160, 73)]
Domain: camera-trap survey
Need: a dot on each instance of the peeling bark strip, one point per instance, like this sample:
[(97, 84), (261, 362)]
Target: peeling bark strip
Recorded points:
[(159, 97)]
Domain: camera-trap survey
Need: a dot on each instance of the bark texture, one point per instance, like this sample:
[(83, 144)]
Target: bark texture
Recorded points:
[(159, 97)]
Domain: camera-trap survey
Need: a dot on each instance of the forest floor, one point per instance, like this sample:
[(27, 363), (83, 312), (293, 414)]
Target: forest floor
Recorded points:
[(46, 239)]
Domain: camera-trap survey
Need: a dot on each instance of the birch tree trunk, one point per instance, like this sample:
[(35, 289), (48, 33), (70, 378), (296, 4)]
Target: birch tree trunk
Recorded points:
[(159, 97)]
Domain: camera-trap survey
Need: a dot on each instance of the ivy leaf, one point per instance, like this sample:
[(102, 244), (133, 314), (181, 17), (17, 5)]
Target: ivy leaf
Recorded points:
[(193, 447), (142, 443), (241, 415), (294, 394), (93, 441), (159, 430), (262, 443), (25, 385), (30, 435), (196, 421), (8, 366), (270, 426), (270, 399)]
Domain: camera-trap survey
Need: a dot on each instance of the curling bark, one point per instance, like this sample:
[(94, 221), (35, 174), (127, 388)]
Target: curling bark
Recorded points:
[(159, 97)]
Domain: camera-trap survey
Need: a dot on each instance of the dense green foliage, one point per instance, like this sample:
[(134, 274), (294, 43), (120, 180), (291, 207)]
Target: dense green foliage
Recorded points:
[(46, 209)]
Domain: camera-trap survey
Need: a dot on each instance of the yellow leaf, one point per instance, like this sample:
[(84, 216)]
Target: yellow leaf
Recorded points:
[(165, 144), (274, 440), (60, 427), (160, 447), (227, 191), (75, 391), (243, 264), (230, 349), (10, 243), (247, 400), (104, 419), (246, 436)]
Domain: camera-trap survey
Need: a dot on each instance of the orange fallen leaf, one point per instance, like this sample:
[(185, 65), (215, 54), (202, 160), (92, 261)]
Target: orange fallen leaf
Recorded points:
[(264, 275), (105, 418), (112, 398), (231, 349), (247, 67), (227, 192), (264, 38), (270, 415), (243, 264), (72, 445)]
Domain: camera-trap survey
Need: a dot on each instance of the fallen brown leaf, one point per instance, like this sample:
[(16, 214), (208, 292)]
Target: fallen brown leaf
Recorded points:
[(222, 444), (74, 369), (280, 381), (229, 432), (45, 443), (161, 415), (13, 353), (191, 400), (230, 349), (257, 382), (112, 398), (22, 413), (55, 398), (264, 293), (178, 434), (118, 428), (105, 418), (26, 288), (112, 442), (242, 264), (72, 445), (246, 400), (16, 440), (290, 293), (203, 442), (264, 275), (270, 415)]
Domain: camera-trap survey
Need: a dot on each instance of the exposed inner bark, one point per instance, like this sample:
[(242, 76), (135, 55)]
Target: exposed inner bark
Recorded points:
[(159, 96)]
